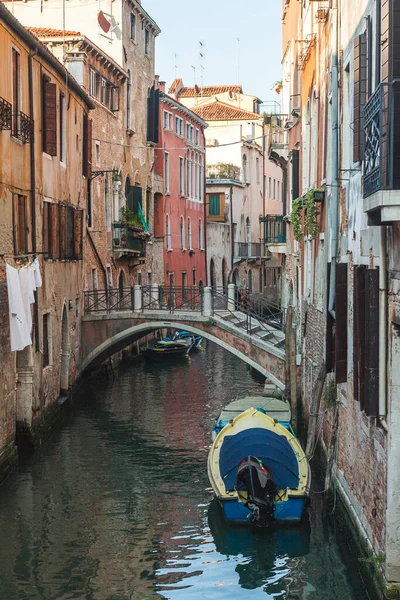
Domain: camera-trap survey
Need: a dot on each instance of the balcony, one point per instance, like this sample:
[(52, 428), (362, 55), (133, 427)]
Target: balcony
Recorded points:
[(128, 240), (274, 233), (5, 114), (381, 168), (22, 127), (249, 250)]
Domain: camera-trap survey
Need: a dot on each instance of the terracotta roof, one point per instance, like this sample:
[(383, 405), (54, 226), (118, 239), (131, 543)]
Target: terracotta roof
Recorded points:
[(208, 90), (47, 32), (219, 111), (176, 82)]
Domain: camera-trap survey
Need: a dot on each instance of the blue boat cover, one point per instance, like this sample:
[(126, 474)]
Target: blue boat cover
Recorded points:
[(272, 449)]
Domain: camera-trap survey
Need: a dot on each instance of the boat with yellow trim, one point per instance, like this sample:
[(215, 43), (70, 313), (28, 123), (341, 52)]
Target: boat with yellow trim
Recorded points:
[(168, 348), (258, 470)]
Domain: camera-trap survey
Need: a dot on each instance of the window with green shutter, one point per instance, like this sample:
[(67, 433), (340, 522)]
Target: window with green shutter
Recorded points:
[(214, 205)]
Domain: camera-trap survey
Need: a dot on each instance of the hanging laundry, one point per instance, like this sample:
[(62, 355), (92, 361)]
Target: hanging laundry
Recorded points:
[(36, 273), (19, 333), (26, 283)]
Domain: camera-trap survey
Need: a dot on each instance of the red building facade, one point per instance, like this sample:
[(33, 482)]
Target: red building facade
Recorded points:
[(179, 209)]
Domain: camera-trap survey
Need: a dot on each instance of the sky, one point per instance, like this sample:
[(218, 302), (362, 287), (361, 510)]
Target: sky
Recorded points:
[(218, 24)]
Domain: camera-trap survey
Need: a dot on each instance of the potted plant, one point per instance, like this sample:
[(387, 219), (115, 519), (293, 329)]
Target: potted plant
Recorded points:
[(115, 241), (123, 240)]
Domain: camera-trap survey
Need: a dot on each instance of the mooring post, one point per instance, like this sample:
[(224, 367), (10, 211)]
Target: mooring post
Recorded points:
[(155, 296), (207, 305), (231, 296)]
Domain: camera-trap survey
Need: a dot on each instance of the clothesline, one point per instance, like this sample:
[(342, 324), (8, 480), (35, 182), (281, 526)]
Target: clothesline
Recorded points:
[(17, 256)]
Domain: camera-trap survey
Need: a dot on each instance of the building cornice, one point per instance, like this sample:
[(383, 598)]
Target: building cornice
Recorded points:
[(165, 99)]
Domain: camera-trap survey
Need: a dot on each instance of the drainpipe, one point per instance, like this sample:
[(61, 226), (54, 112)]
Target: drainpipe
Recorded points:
[(383, 329), (334, 212), (33, 188)]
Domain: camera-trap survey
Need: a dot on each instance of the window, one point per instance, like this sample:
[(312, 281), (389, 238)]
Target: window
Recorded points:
[(269, 187), (179, 126), (95, 283), (63, 147), (188, 177), (274, 196), (47, 228), (139, 278), (62, 231), (107, 203), (146, 41), (278, 197), (166, 160), (87, 149), (197, 137), (181, 175), (166, 120), (104, 91), (182, 234), (133, 27), (214, 205), (200, 234), (109, 277), (244, 168), (97, 153), (201, 179), (264, 186), (16, 90), (258, 170), (190, 246), (46, 340), (184, 284), (168, 233), (189, 131), (49, 117), (194, 274), (21, 227)]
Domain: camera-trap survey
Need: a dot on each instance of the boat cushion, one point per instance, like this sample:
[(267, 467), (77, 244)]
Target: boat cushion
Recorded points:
[(271, 448)]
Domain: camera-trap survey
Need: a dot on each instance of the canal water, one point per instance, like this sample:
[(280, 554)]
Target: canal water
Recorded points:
[(116, 505)]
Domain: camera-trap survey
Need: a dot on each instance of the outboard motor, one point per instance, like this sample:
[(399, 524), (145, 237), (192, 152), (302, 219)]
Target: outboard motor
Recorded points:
[(256, 480)]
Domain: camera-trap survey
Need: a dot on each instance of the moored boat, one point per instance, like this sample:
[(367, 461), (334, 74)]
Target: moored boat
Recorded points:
[(256, 466), (168, 348), (183, 335)]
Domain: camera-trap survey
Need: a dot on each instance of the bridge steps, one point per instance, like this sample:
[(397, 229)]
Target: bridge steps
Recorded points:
[(265, 332)]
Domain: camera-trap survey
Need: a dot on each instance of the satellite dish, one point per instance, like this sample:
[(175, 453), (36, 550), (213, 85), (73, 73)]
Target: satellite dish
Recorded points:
[(231, 94), (103, 22), (197, 89)]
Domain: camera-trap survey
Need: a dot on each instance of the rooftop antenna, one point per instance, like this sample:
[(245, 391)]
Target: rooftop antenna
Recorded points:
[(176, 65), (201, 58), (238, 65), (194, 75)]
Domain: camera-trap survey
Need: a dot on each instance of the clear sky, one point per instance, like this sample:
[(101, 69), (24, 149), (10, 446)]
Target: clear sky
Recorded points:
[(218, 24)]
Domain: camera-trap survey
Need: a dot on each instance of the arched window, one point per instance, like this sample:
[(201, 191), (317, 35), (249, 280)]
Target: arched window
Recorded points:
[(244, 168), (190, 246), (168, 242), (200, 235), (182, 232)]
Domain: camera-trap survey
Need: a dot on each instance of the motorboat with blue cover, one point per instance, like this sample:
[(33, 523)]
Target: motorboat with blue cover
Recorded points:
[(183, 335), (256, 466), (168, 348)]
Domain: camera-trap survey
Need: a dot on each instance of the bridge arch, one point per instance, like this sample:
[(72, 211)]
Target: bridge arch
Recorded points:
[(131, 334)]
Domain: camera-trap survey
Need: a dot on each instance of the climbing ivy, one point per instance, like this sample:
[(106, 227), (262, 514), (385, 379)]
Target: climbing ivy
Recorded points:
[(311, 225)]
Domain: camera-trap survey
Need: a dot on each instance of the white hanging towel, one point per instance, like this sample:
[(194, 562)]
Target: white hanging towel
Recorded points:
[(28, 298), (36, 273), (20, 336)]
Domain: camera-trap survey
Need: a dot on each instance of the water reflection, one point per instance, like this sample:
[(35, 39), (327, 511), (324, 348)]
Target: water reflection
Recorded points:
[(116, 505)]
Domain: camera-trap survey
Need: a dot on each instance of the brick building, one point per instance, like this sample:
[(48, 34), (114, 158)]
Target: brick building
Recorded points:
[(44, 169), (179, 216)]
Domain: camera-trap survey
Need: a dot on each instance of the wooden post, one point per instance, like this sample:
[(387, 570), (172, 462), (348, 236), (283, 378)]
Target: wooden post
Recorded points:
[(314, 410), (291, 368)]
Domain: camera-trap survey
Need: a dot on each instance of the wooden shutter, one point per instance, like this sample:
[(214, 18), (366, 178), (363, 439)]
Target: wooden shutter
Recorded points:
[(341, 323), (134, 198), (359, 334), (87, 147), (69, 233), (78, 234), (360, 91), (46, 227), (50, 118), (55, 231), (153, 109), (372, 342), (20, 224), (63, 232)]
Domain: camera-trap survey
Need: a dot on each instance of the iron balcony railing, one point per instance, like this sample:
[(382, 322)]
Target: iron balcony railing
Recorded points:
[(381, 139), (22, 127), (5, 114), (128, 239), (247, 250), (274, 229)]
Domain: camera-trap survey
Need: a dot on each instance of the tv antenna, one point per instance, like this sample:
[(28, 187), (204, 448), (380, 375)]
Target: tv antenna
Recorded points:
[(201, 60), (176, 65)]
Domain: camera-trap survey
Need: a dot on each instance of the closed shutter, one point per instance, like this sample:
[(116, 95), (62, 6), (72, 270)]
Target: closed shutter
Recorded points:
[(46, 227), (78, 234), (214, 205), (50, 118), (153, 109), (55, 231), (359, 335), (372, 342), (360, 93), (70, 226), (295, 174), (20, 224), (134, 198), (63, 231), (341, 323)]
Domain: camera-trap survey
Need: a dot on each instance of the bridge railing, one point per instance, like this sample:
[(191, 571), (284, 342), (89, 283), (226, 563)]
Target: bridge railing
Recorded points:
[(110, 300)]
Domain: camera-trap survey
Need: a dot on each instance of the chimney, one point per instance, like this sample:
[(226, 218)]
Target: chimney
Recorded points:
[(162, 86)]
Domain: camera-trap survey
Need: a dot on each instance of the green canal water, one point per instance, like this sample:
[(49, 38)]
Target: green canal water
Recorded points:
[(116, 505)]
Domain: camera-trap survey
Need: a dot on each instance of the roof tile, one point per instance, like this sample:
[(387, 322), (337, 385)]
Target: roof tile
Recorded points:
[(219, 111), (209, 90), (48, 32)]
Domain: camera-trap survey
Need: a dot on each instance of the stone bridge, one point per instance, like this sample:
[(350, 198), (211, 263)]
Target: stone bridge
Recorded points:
[(114, 319)]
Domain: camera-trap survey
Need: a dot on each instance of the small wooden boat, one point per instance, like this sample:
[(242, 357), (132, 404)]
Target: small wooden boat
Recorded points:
[(256, 466), (168, 348)]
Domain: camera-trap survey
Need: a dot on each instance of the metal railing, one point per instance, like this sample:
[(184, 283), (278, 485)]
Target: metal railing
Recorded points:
[(22, 127), (274, 229), (126, 239), (380, 130), (108, 301), (247, 250), (181, 299), (5, 114)]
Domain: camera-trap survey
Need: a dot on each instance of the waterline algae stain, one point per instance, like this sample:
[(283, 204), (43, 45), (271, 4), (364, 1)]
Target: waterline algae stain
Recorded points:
[(116, 505)]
